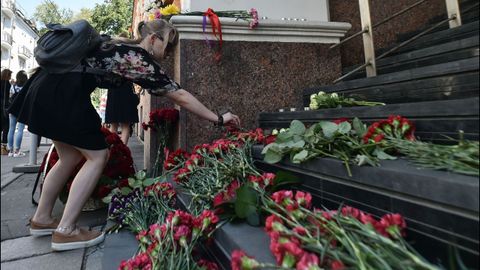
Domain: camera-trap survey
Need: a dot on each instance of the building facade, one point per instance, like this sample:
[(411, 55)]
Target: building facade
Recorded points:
[(19, 38)]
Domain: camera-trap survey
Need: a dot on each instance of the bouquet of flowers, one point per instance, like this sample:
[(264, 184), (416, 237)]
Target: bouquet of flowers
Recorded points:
[(161, 9), (348, 238), (323, 100), (141, 207), (340, 139), (169, 245), (119, 167), (213, 171), (165, 9), (161, 122)]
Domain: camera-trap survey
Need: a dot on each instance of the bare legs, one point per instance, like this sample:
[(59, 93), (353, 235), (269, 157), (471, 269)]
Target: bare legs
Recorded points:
[(125, 135), (56, 180), (82, 185)]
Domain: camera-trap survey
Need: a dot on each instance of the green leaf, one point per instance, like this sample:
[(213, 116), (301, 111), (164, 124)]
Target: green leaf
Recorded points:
[(359, 127), (297, 145), (148, 182), (344, 127), (131, 181), (246, 202), (309, 135), (266, 148), (284, 137), (300, 156), (283, 178), (107, 199), (328, 128), (380, 154), (297, 127), (272, 157), (125, 190), (140, 175)]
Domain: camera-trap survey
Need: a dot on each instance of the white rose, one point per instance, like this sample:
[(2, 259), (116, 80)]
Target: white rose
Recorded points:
[(275, 132), (283, 130), (313, 105), (313, 96), (334, 95), (321, 93)]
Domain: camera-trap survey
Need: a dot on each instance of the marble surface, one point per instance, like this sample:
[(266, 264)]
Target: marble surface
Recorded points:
[(251, 77)]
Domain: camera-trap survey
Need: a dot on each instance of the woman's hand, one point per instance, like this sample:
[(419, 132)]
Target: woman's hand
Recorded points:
[(231, 118)]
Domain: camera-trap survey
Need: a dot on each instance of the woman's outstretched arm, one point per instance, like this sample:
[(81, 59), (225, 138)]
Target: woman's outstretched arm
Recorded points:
[(186, 100)]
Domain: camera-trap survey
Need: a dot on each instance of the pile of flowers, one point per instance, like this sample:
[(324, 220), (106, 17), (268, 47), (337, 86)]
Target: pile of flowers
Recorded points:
[(138, 209), (305, 239), (161, 9), (395, 126), (323, 100), (119, 167), (171, 244), (339, 139), (210, 168), (212, 172), (161, 122)]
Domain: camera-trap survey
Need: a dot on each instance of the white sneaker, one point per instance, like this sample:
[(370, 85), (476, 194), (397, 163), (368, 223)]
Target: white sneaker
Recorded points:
[(10, 154), (19, 154)]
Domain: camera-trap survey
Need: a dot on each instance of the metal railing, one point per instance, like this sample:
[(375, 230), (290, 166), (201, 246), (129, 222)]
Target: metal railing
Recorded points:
[(25, 51), (454, 20), (6, 37)]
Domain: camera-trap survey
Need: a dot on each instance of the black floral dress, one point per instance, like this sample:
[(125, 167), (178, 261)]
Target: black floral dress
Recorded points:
[(58, 106)]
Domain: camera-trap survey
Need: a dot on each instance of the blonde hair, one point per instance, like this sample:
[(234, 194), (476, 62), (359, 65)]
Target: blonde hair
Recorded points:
[(161, 28)]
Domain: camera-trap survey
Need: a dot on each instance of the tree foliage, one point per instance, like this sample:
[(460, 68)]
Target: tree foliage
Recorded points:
[(113, 16), (50, 12), (83, 14)]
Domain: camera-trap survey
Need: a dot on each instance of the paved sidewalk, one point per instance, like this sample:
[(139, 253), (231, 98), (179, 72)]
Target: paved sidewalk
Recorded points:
[(19, 250)]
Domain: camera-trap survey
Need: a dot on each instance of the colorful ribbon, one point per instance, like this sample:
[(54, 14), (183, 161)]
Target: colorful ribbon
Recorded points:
[(216, 27)]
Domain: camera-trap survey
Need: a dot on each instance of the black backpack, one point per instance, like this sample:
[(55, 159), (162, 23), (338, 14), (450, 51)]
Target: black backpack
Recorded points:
[(63, 47)]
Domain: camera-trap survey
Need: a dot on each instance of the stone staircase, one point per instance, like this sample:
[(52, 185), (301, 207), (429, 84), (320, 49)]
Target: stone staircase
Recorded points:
[(434, 82)]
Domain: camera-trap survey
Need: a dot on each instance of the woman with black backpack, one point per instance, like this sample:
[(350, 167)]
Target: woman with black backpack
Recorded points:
[(20, 80), (57, 106)]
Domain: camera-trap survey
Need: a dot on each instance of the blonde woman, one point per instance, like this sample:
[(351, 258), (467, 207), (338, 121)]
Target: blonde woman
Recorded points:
[(57, 106)]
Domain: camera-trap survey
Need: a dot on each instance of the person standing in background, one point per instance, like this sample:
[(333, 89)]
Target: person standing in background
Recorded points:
[(5, 94), (21, 79), (122, 109)]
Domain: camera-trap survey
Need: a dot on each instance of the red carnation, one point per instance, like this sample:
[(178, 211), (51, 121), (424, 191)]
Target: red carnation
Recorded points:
[(340, 120), (240, 261)]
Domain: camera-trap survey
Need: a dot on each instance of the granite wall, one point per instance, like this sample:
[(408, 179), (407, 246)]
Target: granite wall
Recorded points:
[(250, 78), (384, 35)]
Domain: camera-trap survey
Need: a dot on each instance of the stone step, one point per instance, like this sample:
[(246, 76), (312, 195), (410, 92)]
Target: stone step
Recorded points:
[(440, 208), (118, 247), (232, 236), (433, 119), (464, 31), (457, 79), (443, 53), (443, 87)]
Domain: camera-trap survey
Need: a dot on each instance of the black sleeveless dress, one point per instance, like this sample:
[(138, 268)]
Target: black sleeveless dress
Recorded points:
[(122, 105), (58, 106)]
